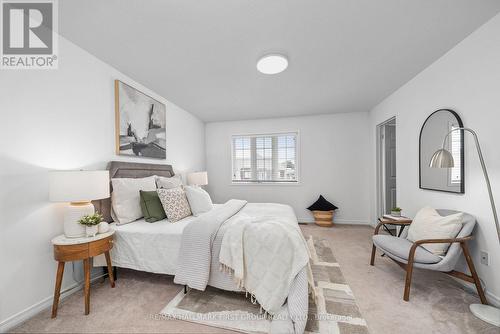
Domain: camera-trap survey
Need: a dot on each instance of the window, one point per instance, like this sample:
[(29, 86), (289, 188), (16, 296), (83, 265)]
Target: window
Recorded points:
[(265, 158), (456, 150)]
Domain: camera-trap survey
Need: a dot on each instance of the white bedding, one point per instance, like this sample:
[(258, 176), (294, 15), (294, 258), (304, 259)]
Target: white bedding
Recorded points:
[(151, 247)]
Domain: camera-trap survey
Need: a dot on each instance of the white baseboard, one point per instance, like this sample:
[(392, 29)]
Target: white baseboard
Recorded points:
[(336, 221), (492, 299), (33, 310), (42, 305)]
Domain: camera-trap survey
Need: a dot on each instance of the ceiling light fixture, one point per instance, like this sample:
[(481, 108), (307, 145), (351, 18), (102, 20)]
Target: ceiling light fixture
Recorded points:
[(272, 64)]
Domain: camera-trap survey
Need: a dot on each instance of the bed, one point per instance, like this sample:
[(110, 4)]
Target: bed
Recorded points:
[(157, 247), (147, 247)]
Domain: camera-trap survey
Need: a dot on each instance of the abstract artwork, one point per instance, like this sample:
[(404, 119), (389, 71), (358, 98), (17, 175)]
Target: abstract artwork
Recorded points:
[(140, 123)]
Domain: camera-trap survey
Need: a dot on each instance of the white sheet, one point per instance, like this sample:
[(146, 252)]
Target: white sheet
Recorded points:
[(151, 247)]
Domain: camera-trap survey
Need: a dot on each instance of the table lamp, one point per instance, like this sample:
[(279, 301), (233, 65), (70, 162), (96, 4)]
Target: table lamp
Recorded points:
[(197, 178), (78, 188), (443, 158)]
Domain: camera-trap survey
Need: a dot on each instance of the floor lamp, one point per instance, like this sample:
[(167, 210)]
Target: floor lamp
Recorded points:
[(444, 159)]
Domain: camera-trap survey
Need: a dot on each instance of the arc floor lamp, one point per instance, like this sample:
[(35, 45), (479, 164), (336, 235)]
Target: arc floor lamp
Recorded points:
[(442, 158)]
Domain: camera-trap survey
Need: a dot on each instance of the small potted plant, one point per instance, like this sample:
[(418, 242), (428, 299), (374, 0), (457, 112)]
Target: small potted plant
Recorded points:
[(91, 223), (396, 212)]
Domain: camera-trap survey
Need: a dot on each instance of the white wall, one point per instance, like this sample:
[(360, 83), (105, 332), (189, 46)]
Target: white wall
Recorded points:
[(61, 119), (467, 80), (333, 161)]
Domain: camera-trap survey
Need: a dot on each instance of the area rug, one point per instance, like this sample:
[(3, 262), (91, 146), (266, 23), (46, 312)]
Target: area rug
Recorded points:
[(332, 308)]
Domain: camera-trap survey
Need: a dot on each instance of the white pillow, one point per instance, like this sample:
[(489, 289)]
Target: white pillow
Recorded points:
[(174, 203), (198, 199), (125, 198), (168, 182), (429, 224)]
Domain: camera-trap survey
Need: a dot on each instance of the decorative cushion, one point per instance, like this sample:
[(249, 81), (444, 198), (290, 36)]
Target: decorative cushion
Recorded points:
[(199, 200), (400, 247), (168, 182), (174, 203), (125, 198), (152, 209), (429, 224), (322, 204)]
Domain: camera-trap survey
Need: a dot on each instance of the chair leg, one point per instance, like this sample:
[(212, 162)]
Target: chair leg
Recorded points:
[(473, 272), (409, 272), (372, 260), (377, 228)]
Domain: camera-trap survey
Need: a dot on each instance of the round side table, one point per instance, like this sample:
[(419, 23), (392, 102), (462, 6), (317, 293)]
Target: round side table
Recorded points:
[(75, 249)]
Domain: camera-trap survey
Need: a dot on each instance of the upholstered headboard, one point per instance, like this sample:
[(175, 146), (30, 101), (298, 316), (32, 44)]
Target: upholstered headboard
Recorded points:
[(121, 169)]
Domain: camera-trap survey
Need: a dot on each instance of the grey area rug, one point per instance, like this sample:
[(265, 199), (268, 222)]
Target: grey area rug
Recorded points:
[(332, 308)]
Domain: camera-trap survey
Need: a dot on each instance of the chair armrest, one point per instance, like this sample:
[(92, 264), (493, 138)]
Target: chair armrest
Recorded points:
[(417, 243), (441, 241)]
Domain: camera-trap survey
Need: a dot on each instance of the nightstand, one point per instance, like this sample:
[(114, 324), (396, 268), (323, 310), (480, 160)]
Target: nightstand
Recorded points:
[(75, 249)]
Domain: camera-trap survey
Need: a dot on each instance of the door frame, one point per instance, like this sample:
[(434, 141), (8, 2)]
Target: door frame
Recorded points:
[(380, 157)]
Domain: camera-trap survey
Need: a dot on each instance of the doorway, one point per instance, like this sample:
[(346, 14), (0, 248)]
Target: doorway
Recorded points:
[(386, 167)]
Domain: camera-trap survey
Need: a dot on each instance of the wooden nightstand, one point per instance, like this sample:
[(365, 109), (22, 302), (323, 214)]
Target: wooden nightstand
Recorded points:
[(74, 249)]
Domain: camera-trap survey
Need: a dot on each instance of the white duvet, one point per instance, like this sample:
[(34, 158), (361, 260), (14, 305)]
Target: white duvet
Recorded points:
[(151, 247)]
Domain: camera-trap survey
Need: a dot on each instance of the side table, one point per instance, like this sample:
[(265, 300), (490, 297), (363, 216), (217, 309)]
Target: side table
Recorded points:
[(75, 249)]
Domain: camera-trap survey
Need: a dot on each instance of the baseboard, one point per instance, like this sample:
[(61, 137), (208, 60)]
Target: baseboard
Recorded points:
[(492, 299), (33, 310), (336, 221)]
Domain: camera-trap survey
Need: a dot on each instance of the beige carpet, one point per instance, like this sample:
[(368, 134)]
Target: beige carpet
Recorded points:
[(437, 303)]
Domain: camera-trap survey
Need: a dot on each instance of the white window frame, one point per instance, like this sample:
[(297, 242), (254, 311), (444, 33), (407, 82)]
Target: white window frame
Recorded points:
[(274, 183)]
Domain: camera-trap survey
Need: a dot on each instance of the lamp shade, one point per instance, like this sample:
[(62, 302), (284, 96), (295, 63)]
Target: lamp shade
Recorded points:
[(78, 186), (442, 159), (197, 178)]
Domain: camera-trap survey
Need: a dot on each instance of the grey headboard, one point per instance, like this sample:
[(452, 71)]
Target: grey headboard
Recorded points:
[(121, 169)]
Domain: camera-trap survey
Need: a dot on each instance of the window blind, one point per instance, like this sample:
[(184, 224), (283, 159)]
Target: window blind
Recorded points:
[(456, 150), (264, 158)]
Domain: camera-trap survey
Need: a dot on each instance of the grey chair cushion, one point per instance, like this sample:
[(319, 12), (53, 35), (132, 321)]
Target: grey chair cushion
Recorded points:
[(400, 247)]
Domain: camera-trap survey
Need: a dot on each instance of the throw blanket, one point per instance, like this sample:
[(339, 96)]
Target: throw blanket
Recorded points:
[(193, 267), (264, 255), (200, 250)]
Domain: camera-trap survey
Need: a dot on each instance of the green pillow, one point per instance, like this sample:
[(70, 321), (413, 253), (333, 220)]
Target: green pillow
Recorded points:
[(151, 206)]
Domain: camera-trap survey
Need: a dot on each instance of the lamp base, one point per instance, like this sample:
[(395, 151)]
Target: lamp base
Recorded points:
[(487, 313), (72, 213)]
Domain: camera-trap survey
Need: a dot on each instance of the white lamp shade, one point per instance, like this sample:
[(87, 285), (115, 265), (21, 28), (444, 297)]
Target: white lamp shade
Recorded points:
[(197, 178), (78, 186)]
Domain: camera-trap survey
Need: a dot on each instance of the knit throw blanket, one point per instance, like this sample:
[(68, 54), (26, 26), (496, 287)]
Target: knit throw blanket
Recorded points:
[(264, 255)]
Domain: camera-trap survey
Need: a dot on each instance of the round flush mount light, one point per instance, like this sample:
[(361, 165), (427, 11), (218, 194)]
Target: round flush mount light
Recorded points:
[(272, 64)]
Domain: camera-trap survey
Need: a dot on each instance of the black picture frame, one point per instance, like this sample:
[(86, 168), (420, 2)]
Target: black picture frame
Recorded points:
[(462, 154)]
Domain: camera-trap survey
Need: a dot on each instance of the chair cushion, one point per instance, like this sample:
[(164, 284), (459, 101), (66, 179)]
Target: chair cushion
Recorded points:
[(429, 224), (400, 247)]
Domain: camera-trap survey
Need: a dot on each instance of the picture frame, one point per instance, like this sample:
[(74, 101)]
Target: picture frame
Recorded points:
[(140, 123)]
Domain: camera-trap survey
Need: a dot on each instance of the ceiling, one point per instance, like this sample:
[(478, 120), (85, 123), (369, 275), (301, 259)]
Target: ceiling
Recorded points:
[(345, 55)]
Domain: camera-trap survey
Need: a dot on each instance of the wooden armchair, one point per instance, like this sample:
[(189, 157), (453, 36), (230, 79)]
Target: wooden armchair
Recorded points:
[(409, 254)]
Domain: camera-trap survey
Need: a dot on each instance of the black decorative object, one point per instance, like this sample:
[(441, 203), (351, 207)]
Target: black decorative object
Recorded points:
[(322, 205), (323, 212)]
